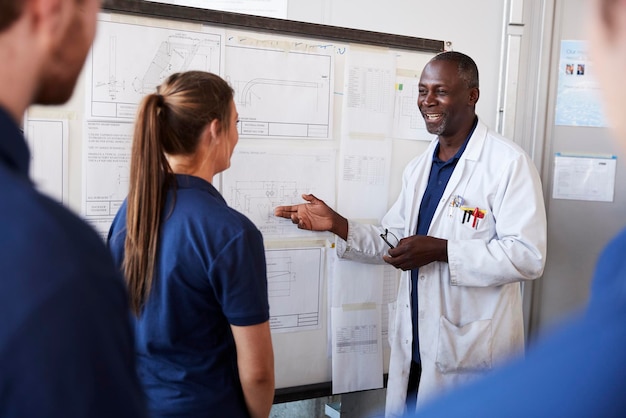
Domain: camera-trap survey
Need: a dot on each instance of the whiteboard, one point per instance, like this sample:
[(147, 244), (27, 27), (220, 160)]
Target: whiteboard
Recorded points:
[(323, 110)]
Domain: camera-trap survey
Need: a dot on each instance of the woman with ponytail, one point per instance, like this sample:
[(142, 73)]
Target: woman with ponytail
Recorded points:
[(194, 267)]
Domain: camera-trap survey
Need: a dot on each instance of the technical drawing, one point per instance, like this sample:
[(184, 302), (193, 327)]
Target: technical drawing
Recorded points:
[(178, 53), (294, 280), (281, 93), (247, 96), (408, 109), (279, 276), (113, 85), (128, 61), (261, 178), (408, 120), (114, 190), (257, 200), (48, 143)]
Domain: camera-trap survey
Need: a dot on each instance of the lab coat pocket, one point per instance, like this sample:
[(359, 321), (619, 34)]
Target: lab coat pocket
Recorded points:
[(473, 223), (464, 349)]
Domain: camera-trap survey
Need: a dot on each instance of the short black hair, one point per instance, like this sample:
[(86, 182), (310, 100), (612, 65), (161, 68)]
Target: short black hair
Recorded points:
[(466, 66), (10, 11)]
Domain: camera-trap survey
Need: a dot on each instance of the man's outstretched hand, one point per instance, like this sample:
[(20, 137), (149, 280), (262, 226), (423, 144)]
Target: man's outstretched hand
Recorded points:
[(315, 215)]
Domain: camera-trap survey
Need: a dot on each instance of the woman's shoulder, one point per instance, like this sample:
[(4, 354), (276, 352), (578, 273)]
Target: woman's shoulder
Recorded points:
[(211, 210)]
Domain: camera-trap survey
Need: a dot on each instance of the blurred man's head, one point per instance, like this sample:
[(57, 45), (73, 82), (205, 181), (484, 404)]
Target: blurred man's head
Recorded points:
[(607, 35), (68, 54), (58, 34)]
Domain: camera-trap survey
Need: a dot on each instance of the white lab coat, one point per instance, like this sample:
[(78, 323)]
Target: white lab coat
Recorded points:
[(470, 309)]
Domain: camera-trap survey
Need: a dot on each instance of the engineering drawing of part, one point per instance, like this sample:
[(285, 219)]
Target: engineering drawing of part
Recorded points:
[(247, 93), (409, 109), (257, 199), (112, 83), (279, 276), (120, 181), (178, 53)]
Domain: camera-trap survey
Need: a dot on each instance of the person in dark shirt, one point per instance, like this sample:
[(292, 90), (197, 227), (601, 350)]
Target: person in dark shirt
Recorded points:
[(195, 267), (66, 347)]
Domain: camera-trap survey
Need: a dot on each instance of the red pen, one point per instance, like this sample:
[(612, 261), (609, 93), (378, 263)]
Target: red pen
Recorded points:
[(478, 214)]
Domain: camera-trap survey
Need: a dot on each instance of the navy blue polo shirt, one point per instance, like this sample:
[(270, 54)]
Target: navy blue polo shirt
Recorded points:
[(210, 274), (66, 348), (440, 173)]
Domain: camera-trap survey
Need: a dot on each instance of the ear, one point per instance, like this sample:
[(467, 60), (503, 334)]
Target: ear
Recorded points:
[(474, 95), (50, 18), (618, 18), (215, 128), (611, 14)]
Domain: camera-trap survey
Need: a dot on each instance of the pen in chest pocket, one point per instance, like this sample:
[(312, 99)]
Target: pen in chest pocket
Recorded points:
[(476, 213), (456, 202)]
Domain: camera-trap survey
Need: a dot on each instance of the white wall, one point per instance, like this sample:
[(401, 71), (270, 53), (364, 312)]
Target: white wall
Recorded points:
[(473, 27)]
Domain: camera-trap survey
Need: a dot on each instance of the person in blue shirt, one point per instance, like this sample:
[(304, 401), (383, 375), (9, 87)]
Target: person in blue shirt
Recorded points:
[(579, 369), (66, 346), (195, 268)]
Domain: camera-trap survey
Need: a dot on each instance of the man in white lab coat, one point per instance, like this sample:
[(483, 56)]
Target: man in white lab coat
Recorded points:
[(553, 381), (472, 225)]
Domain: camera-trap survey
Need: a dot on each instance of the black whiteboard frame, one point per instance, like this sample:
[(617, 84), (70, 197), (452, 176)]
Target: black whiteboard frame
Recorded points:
[(269, 24), (282, 27)]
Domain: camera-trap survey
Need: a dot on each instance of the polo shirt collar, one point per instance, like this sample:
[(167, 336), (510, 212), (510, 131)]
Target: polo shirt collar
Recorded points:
[(13, 149), (460, 151), (185, 181)]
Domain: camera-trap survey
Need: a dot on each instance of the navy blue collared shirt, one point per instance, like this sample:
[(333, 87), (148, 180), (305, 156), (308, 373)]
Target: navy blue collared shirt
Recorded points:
[(210, 274), (66, 348), (440, 173)]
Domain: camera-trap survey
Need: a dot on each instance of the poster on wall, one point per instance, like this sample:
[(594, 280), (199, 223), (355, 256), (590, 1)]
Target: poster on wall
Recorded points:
[(578, 100), (584, 177)]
